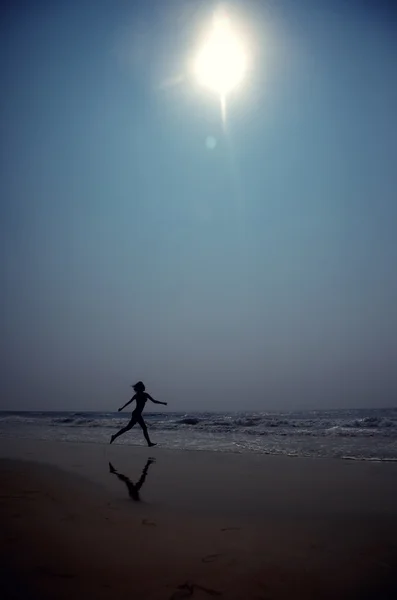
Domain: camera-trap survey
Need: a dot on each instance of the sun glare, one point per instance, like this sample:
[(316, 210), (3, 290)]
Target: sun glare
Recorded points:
[(221, 63)]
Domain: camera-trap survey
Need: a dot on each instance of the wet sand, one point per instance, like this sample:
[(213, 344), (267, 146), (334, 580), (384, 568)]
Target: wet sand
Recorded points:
[(201, 525)]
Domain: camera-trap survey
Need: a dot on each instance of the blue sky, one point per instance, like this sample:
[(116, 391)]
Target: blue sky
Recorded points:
[(259, 274)]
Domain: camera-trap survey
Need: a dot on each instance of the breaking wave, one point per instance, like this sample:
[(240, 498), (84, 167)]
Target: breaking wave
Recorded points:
[(333, 423), (350, 434)]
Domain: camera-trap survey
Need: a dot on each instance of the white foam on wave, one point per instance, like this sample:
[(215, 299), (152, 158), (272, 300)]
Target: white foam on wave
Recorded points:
[(353, 435)]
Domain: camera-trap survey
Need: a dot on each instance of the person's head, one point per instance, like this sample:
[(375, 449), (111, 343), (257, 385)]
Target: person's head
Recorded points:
[(139, 387)]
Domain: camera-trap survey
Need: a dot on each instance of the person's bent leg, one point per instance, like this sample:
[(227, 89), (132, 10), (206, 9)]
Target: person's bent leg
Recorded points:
[(124, 430), (145, 431)]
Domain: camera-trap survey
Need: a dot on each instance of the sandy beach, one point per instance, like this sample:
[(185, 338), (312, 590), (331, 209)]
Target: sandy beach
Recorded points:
[(87, 520)]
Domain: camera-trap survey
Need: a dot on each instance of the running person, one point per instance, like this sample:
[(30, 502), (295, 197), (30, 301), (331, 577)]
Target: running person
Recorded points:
[(141, 398)]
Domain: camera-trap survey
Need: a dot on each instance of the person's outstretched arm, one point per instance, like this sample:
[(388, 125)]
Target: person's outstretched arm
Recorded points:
[(127, 403), (155, 401)]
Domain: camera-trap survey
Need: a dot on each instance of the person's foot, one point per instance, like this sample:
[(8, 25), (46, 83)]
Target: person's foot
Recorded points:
[(150, 444), (112, 439)]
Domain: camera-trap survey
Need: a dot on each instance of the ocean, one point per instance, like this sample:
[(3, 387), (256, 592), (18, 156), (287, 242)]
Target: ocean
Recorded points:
[(345, 434)]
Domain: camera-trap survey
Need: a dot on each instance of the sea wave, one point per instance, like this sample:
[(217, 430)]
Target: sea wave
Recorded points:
[(341, 423), (348, 434)]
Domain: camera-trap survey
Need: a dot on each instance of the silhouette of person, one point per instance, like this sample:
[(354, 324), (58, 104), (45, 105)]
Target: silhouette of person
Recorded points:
[(133, 488), (141, 397)]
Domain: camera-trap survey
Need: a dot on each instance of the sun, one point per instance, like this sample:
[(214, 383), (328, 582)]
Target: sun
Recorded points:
[(221, 63)]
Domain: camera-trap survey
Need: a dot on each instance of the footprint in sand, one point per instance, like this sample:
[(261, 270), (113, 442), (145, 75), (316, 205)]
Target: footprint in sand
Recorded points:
[(47, 571), (210, 558), (149, 523), (180, 594), (186, 590)]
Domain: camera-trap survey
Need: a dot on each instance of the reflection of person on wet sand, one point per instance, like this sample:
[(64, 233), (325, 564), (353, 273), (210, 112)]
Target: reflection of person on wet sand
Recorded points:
[(133, 488), (141, 397)]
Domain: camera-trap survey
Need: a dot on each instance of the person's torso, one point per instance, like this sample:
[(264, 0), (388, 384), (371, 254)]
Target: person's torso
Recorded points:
[(141, 399)]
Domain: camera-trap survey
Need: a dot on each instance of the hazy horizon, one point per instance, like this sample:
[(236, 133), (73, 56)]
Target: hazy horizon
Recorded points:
[(151, 409), (259, 274)]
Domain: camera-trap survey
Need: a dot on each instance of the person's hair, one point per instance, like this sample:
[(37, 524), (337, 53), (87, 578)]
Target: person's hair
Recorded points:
[(139, 387)]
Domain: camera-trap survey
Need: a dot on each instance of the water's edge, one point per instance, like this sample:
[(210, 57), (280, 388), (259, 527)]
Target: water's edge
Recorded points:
[(359, 434)]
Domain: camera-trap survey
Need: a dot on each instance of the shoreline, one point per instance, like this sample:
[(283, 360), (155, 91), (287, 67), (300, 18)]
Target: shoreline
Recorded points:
[(248, 453), (366, 435)]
